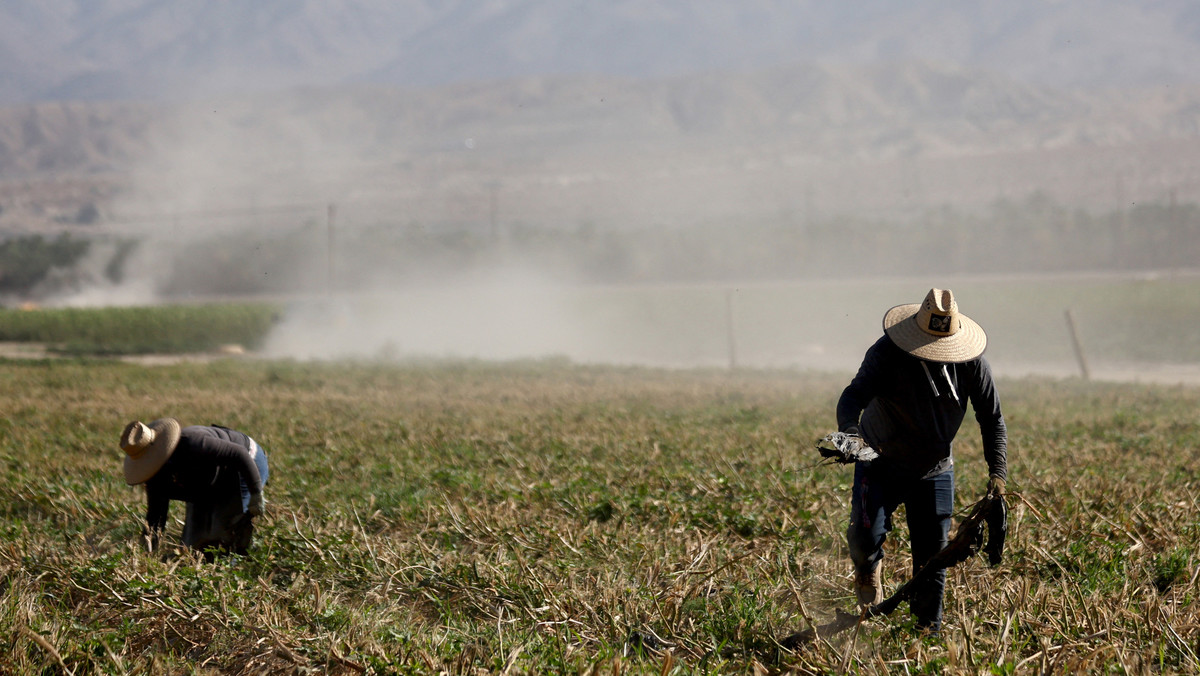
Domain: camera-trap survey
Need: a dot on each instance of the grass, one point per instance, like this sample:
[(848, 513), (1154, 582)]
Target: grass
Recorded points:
[(168, 329), (541, 517)]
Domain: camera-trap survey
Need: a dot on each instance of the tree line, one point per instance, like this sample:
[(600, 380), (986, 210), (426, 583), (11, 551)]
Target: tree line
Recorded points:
[(1034, 235)]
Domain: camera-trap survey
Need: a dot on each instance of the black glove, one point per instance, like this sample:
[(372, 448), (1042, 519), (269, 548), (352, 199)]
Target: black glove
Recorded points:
[(257, 505), (997, 521)]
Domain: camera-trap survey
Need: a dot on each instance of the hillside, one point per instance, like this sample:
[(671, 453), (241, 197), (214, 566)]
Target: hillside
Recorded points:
[(886, 141), (156, 49), (124, 114)]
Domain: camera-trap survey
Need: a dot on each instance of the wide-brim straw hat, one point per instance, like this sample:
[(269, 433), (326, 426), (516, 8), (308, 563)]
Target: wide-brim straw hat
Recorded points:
[(147, 448), (935, 330)]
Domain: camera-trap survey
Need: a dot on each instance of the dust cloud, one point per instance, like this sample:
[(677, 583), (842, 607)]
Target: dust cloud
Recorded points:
[(387, 240), (514, 315)]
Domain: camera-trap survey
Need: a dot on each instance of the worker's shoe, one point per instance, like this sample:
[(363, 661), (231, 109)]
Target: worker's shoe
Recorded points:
[(868, 586)]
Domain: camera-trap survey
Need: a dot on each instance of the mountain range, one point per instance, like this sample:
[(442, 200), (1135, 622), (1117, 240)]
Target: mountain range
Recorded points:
[(568, 111), (151, 49)]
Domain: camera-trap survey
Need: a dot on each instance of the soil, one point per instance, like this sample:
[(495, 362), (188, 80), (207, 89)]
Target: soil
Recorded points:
[(1157, 374)]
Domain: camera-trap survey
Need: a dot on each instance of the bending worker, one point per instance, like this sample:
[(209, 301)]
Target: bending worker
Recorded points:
[(218, 472), (907, 402)]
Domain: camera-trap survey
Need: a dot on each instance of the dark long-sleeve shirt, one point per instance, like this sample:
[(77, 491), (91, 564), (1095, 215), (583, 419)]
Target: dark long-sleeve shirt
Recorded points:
[(910, 411), (208, 463)]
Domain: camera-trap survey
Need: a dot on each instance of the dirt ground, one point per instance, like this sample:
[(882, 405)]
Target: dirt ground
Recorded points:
[(1187, 375), (10, 350)]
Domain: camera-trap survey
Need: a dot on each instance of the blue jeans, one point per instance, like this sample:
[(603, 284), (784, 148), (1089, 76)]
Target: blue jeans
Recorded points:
[(260, 459), (928, 504)]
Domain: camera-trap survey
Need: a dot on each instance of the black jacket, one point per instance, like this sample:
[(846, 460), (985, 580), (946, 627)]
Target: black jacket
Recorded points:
[(909, 411), (209, 463)]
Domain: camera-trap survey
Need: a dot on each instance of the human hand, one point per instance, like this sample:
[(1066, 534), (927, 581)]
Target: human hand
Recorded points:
[(995, 487), (257, 505)]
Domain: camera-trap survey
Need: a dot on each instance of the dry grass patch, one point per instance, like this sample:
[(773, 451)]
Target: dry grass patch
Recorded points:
[(543, 517)]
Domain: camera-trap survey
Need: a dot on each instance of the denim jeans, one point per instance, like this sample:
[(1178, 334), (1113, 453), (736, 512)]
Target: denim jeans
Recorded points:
[(260, 459), (928, 505)]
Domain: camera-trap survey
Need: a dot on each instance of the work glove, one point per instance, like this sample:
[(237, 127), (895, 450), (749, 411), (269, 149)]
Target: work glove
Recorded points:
[(257, 505), (997, 522), (995, 487), (846, 447)]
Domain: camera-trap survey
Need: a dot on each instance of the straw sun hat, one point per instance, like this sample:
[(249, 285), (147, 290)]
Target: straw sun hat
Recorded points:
[(147, 448), (935, 330)]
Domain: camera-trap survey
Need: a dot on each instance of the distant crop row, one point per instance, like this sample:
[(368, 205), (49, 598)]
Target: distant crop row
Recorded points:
[(141, 330)]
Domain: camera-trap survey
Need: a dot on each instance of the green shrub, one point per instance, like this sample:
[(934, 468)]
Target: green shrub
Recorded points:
[(25, 261)]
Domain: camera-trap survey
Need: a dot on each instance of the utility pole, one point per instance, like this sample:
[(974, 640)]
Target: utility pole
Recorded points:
[(729, 333), (1077, 347), (494, 209), (330, 215)]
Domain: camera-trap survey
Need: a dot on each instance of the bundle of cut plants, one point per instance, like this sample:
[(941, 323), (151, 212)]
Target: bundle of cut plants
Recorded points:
[(991, 511)]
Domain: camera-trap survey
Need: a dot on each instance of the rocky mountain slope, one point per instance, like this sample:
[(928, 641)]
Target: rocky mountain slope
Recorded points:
[(142, 49), (557, 113), (905, 136)]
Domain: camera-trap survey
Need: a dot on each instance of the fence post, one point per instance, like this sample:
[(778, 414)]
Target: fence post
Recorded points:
[(729, 329), (1075, 344), (330, 214)]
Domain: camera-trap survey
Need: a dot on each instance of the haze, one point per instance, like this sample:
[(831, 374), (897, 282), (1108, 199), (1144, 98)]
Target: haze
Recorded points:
[(615, 182)]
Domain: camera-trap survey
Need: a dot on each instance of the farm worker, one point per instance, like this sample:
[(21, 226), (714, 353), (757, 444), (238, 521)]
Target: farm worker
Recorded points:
[(907, 402), (218, 472)]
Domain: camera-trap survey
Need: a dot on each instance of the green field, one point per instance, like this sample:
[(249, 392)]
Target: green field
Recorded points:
[(166, 329), (542, 517)]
